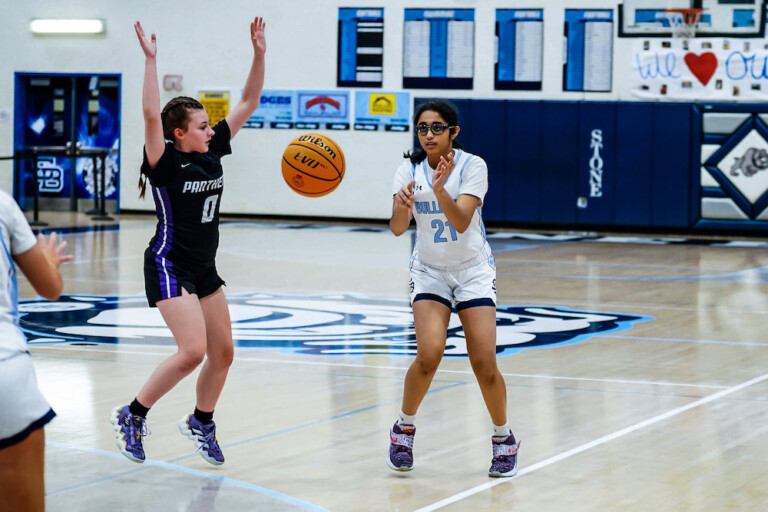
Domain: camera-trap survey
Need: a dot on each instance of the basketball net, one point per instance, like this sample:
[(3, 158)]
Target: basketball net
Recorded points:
[(683, 22)]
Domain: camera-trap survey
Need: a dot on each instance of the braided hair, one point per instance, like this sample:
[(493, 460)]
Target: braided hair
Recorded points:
[(174, 115)]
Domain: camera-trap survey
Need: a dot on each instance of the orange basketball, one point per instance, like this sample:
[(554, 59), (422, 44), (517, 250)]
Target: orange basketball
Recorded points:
[(313, 165)]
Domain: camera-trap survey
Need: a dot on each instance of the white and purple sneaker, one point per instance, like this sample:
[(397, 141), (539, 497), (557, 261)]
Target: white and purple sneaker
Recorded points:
[(504, 463), (129, 431), (204, 437), (400, 456)]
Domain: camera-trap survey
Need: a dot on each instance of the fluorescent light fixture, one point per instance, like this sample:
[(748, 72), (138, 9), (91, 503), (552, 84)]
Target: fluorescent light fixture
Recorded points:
[(73, 27)]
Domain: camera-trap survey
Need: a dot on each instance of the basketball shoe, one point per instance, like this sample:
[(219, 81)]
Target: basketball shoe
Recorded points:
[(400, 456), (129, 431), (204, 437), (504, 461)]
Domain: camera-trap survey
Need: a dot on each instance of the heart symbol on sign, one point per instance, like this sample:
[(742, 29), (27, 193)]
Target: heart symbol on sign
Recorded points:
[(702, 66)]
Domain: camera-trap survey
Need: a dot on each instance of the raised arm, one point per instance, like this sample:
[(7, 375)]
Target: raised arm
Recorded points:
[(41, 264), (251, 97), (154, 142)]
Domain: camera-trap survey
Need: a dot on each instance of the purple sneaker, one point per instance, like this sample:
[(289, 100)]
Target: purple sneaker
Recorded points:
[(204, 437), (129, 430), (504, 461), (400, 456)]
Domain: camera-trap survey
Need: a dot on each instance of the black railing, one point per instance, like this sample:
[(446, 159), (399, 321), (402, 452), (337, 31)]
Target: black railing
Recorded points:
[(98, 212)]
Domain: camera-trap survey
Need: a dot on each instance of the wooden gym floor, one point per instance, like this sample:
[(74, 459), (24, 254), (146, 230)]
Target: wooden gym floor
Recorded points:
[(636, 372)]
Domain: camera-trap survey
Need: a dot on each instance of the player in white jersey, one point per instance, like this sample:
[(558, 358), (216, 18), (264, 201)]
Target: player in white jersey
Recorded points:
[(23, 409), (442, 187)]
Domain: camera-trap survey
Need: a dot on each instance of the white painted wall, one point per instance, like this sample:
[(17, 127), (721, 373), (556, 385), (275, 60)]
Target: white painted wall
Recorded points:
[(208, 43)]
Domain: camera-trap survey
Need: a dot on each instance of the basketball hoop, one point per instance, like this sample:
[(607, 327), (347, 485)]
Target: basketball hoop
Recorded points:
[(683, 22)]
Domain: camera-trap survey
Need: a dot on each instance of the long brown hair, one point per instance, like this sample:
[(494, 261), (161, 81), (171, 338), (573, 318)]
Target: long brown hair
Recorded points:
[(174, 115)]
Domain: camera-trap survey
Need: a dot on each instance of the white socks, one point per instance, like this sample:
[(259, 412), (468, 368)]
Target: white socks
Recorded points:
[(405, 419), (501, 430)]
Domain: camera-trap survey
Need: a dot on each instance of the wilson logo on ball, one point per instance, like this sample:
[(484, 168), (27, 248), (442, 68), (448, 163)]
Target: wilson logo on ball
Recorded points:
[(313, 165)]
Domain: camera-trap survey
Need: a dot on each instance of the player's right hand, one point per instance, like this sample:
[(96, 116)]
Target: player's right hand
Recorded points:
[(404, 196)]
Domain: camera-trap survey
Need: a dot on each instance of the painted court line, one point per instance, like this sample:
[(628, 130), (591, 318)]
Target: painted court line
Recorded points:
[(686, 340), (592, 444), (174, 467), (400, 368)]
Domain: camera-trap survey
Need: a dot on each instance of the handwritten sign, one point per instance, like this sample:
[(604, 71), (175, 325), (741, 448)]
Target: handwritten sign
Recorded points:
[(705, 69)]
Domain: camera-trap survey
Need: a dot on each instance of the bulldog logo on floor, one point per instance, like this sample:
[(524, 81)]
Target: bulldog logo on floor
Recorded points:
[(328, 324)]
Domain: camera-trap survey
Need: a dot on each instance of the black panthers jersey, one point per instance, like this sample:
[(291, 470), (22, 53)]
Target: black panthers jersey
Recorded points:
[(187, 189)]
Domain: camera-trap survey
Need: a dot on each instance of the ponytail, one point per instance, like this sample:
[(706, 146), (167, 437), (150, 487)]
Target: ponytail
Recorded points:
[(142, 186)]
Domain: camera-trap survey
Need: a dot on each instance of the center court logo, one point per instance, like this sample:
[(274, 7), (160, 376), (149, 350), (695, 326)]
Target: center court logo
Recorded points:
[(322, 324)]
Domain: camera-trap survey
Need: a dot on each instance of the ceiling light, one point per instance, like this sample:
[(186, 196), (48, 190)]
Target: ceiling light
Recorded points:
[(64, 27)]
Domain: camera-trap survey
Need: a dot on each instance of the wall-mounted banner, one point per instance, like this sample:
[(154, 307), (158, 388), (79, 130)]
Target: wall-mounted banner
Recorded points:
[(276, 110), (216, 103), (708, 69), (327, 110), (388, 111), (361, 47)]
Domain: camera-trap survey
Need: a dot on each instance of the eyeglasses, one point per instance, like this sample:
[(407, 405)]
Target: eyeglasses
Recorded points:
[(437, 128)]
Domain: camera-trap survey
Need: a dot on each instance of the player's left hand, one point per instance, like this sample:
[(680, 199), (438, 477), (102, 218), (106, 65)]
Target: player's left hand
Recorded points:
[(257, 35), (53, 250), (444, 169)]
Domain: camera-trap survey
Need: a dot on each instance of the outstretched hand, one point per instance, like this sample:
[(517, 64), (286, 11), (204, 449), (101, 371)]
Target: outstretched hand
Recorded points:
[(149, 46), (257, 35), (52, 251)]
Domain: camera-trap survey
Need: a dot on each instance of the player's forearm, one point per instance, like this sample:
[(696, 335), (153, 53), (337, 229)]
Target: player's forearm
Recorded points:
[(151, 92), (401, 219), (455, 215), (254, 83)]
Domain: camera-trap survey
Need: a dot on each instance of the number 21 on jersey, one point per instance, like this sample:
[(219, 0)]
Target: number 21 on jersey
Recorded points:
[(440, 226)]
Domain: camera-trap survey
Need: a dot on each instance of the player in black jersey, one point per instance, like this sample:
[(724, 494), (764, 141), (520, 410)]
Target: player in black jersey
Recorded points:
[(182, 160)]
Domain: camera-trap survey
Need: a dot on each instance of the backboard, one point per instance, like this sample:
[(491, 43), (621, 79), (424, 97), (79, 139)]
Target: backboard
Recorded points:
[(721, 18)]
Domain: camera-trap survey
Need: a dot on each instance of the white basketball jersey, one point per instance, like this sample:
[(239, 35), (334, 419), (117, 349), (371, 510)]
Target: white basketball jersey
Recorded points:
[(17, 237), (438, 243)]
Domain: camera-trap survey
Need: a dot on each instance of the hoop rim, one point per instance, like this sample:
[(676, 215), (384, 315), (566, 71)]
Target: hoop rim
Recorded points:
[(683, 22), (690, 14)]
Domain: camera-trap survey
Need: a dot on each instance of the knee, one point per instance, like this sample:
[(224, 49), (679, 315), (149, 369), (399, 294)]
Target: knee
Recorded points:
[(485, 370), (191, 357), (427, 365), (222, 356)]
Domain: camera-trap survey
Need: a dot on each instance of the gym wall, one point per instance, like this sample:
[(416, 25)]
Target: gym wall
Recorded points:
[(538, 143)]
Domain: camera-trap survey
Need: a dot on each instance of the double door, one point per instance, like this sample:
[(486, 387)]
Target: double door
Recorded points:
[(58, 119)]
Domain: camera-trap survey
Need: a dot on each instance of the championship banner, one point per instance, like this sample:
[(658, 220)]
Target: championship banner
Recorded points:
[(701, 69), (216, 103)]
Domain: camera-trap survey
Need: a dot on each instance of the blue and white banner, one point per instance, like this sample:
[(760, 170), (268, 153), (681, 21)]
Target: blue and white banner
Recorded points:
[(276, 110), (388, 111)]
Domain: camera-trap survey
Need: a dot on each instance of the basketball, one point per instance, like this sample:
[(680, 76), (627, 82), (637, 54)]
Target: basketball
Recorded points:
[(313, 165)]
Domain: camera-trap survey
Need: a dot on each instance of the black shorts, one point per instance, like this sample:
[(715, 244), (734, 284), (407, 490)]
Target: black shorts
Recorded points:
[(164, 279)]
